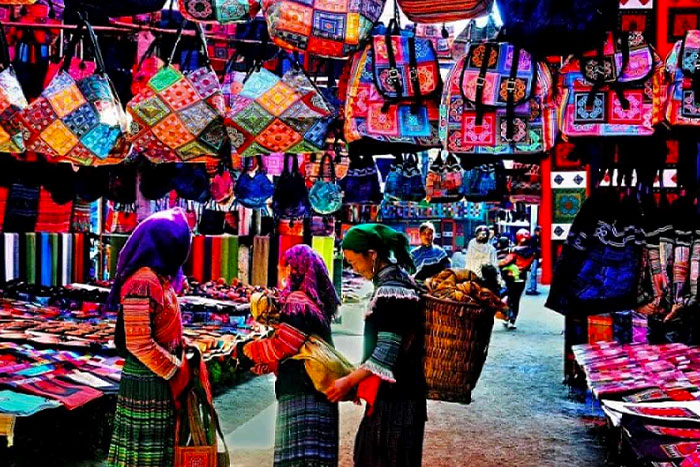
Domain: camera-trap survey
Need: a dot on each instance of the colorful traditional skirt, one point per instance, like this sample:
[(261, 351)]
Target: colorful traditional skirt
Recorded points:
[(392, 436), (306, 434), (144, 423)]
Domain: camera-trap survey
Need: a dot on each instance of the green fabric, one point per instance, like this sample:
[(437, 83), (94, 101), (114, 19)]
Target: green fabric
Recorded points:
[(382, 239), (54, 258), (233, 256), (224, 258), (30, 253)]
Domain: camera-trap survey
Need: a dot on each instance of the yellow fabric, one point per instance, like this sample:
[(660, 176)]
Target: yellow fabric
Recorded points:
[(7, 428), (323, 363), (324, 247)]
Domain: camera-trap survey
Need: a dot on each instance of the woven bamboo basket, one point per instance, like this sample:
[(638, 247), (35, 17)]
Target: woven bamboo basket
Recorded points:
[(457, 337)]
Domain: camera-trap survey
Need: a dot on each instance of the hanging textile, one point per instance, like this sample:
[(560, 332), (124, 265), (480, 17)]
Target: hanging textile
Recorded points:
[(51, 216), (4, 192), (55, 245), (64, 260), (261, 255), (286, 242), (197, 255), (30, 255), (11, 249), (324, 247), (116, 243), (224, 259), (78, 241), (244, 263), (206, 266), (21, 209), (232, 257), (216, 247), (45, 258)]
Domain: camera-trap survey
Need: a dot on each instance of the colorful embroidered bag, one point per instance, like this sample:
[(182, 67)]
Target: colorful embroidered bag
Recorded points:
[(219, 11), (404, 181), (441, 37), (269, 114), (614, 91), (683, 66), (327, 28), (291, 198), (442, 11), (12, 101), (253, 191), (179, 116), (484, 183), (77, 121), (392, 96), (444, 180), (361, 184), (325, 196), (492, 107)]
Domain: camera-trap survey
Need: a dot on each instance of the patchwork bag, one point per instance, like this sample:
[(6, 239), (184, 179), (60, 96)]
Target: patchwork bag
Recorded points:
[(404, 181), (484, 183), (683, 66), (269, 114), (437, 11), (12, 101), (291, 198), (392, 96), (616, 90), (441, 37), (473, 33), (219, 11), (492, 107), (361, 184), (325, 196), (327, 28), (179, 116), (77, 121), (444, 180), (253, 191)]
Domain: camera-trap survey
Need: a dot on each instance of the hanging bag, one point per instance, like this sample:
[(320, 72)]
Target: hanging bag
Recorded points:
[(616, 90), (219, 11), (253, 191), (404, 181), (325, 196), (683, 67), (491, 106), (484, 183), (211, 220), (269, 114), (471, 34), (179, 116), (326, 28), (77, 121), (393, 93), (440, 11), (12, 101), (361, 184), (291, 198), (444, 180)]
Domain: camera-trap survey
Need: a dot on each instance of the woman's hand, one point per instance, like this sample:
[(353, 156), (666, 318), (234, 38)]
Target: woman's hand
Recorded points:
[(340, 389)]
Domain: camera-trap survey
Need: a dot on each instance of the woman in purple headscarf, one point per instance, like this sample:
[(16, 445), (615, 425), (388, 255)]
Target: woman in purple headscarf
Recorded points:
[(307, 423), (149, 334)]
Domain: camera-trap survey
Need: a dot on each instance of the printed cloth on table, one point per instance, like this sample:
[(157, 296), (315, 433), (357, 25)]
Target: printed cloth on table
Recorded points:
[(16, 403), (70, 395)]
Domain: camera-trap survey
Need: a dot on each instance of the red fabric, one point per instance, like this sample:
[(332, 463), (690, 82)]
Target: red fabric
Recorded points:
[(367, 390), (3, 204), (216, 257), (286, 242), (692, 460), (674, 17), (197, 255), (267, 353), (70, 395), (78, 249), (52, 217)]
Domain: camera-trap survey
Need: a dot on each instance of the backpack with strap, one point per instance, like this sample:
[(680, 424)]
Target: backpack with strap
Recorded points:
[(393, 92), (616, 90), (683, 66), (492, 107)]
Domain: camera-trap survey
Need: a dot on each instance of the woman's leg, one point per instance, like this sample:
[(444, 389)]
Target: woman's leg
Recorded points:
[(515, 292)]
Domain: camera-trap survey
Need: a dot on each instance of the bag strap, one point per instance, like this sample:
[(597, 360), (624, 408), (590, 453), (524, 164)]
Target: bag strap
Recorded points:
[(322, 166), (510, 89), (199, 34), (394, 73), (480, 81), (413, 72), (84, 28)]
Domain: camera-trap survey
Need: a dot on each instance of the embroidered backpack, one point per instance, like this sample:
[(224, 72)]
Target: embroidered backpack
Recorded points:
[(269, 114), (12, 101), (327, 28), (683, 67), (219, 11), (616, 90), (444, 180), (492, 107), (394, 90)]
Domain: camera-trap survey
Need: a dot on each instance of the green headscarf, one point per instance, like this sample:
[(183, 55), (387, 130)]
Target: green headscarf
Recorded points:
[(382, 239)]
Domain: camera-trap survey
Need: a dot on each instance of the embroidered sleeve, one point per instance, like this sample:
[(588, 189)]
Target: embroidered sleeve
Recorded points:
[(392, 292), (285, 342), (383, 359), (140, 298)]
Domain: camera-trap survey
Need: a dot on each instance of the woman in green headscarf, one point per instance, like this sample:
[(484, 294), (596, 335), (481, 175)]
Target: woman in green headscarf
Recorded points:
[(391, 377)]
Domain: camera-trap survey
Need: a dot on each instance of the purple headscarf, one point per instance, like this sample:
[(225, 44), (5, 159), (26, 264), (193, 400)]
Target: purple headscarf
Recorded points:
[(308, 273), (160, 242)]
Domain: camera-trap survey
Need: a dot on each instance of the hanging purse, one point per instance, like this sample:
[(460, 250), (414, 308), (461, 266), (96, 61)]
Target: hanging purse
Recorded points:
[(179, 116), (404, 181), (361, 184), (270, 114), (325, 196), (326, 28), (211, 220), (253, 191), (291, 198), (12, 101), (484, 183), (341, 162), (81, 121), (444, 180), (219, 11)]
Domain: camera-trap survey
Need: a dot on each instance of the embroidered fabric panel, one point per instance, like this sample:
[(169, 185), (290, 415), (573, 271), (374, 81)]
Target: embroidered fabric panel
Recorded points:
[(683, 106), (384, 356), (178, 117), (286, 342), (12, 101), (269, 114), (391, 80), (219, 11)]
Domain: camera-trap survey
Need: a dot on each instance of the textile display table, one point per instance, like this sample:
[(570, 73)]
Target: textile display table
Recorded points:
[(651, 394)]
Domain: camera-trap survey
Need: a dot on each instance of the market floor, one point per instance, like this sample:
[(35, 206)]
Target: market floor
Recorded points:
[(521, 415)]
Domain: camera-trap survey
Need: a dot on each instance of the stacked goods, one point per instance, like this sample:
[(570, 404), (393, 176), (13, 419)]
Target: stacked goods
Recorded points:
[(236, 291)]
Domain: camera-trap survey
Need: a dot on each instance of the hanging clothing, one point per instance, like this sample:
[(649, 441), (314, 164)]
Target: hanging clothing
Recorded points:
[(391, 433), (144, 423), (429, 261)]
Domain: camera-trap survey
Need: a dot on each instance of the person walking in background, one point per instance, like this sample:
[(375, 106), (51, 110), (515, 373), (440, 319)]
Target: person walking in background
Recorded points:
[(391, 377), (480, 252), (429, 258), (536, 242), (149, 334), (514, 268), (306, 431)]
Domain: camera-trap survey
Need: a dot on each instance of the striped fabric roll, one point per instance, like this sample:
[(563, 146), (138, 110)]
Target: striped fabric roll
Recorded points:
[(324, 247), (440, 11), (244, 263), (223, 266), (233, 257), (261, 254)]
